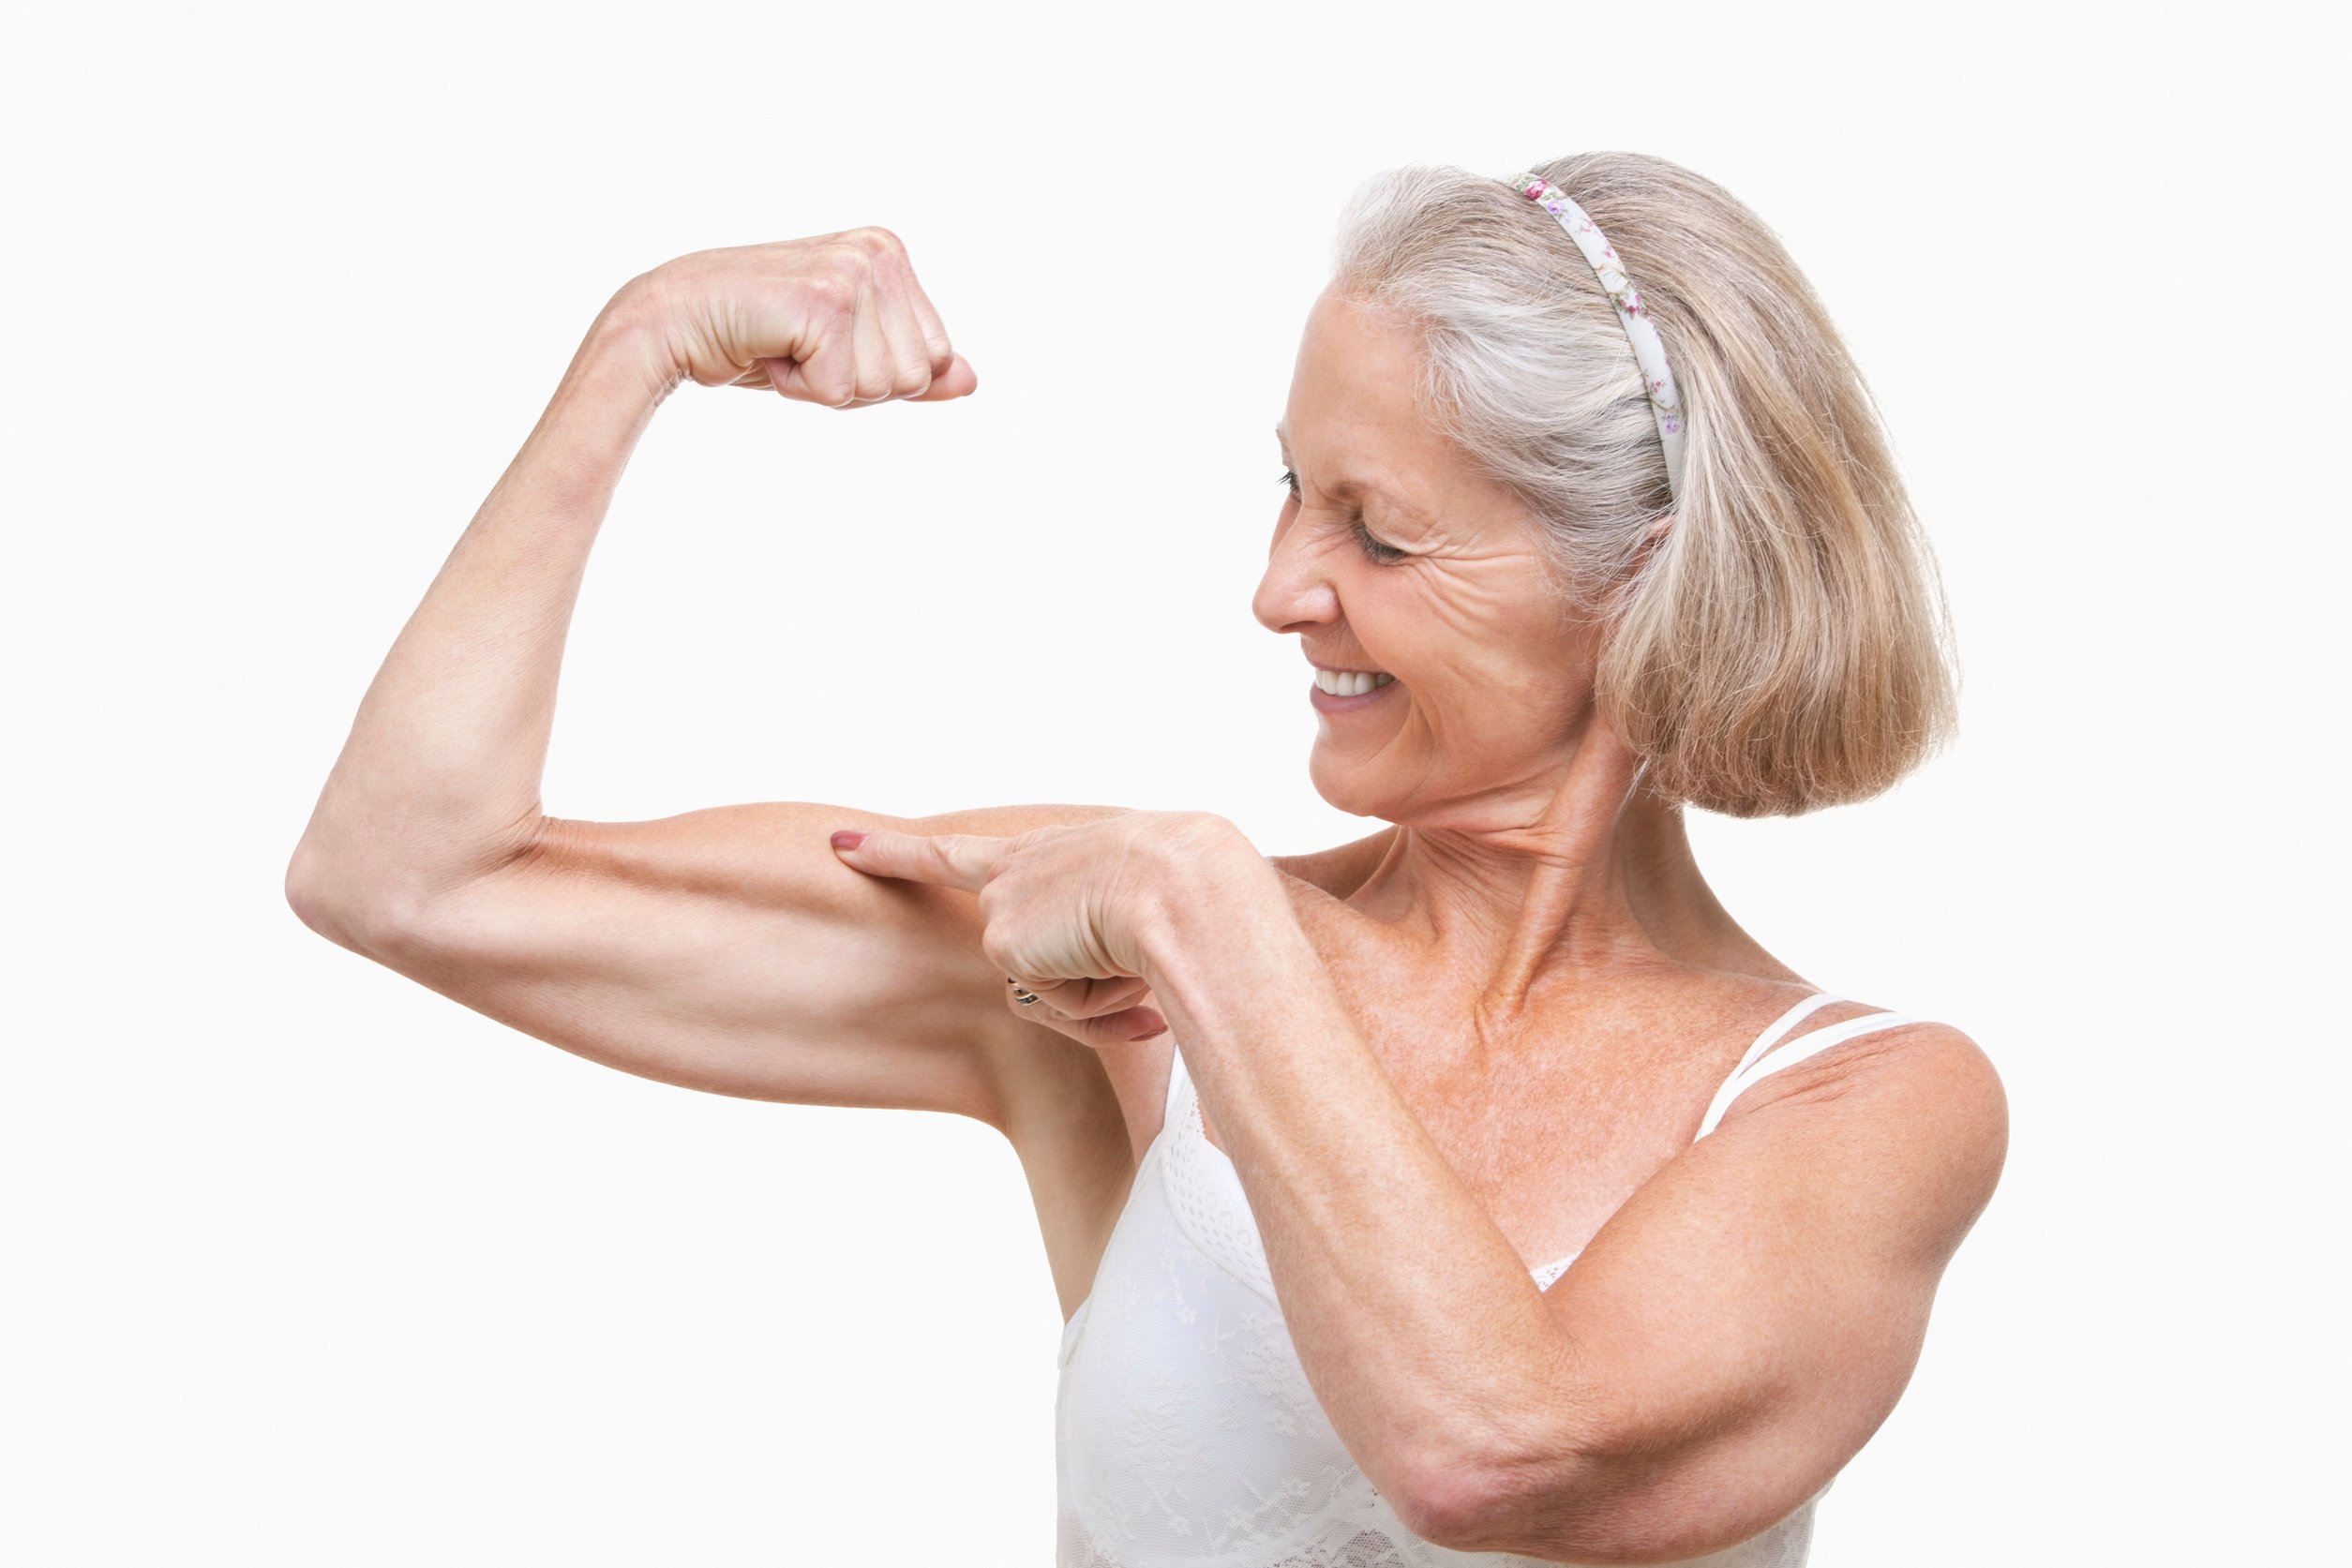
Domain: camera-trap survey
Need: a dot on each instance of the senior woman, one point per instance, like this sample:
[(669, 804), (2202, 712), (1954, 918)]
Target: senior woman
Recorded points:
[(1587, 517)]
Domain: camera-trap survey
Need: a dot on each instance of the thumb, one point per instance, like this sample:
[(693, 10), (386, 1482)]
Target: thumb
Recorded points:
[(964, 860), (959, 379)]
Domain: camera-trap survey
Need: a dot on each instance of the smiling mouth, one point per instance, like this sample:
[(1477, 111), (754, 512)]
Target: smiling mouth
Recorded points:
[(1351, 684)]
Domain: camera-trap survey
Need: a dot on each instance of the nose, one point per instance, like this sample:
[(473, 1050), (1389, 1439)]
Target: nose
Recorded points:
[(1296, 594)]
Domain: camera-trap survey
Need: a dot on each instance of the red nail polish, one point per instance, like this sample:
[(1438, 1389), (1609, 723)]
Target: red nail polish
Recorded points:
[(849, 838)]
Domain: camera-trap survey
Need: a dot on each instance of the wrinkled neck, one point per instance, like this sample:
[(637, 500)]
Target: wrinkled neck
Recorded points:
[(1596, 878)]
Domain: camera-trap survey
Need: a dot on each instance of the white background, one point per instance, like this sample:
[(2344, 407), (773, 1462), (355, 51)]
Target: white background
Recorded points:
[(311, 1266)]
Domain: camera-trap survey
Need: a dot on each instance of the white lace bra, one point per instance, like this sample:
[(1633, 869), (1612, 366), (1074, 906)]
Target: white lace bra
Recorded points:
[(1187, 1433)]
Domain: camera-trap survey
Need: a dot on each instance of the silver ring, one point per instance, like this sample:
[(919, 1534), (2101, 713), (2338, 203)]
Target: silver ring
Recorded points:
[(1021, 994)]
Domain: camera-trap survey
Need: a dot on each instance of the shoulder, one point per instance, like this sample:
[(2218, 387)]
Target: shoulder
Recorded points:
[(1917, 1111), (1923, 1062)]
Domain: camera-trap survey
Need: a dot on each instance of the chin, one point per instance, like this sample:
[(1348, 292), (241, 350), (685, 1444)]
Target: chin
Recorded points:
[(1348, 788)]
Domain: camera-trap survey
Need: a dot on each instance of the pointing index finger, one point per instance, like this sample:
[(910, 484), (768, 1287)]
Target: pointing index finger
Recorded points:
[(964, 860)]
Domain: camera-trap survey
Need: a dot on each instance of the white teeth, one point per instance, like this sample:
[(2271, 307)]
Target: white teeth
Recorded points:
[(1350, 683)]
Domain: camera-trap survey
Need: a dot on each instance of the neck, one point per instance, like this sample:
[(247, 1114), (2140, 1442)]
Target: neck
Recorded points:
[(1596, 878)]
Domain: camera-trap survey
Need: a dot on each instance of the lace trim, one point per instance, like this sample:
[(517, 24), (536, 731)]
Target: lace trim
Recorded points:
[(1786, 1544), (1205, 1193), (1347, 1546)]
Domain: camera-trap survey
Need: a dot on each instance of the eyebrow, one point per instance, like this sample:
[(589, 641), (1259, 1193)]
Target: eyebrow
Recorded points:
[(1347, 487)]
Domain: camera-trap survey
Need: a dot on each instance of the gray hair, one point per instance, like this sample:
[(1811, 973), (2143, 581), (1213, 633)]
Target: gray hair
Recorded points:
[(1783, 644)]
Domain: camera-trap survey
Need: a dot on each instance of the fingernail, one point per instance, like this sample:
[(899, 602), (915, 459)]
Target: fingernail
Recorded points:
[(849, 838)]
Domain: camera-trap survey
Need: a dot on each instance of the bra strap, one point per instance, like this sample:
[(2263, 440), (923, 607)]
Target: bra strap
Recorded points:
[(1753, 1072), (1773, 1033), (1729, 1088)]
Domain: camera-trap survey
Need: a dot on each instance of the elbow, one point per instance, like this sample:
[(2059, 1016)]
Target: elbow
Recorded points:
[(342, 907), (1475, 1515), (1441, 1505), (306, 892), (1566, 1503), (1458, 1505), (1454, 1496)]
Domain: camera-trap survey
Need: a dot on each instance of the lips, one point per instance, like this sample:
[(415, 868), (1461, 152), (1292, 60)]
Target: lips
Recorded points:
[(1328, 701), (1350, 683)]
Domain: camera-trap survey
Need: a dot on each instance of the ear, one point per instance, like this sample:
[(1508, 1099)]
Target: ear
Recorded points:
[(1653, 540), (1647, 546)]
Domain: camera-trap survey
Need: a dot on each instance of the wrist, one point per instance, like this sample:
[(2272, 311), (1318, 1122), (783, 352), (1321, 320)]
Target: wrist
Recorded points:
[(629, 339), (1216, 904)]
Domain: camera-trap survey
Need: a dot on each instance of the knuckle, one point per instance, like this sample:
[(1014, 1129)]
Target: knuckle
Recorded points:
[(829, 291), (852, 260), (876, 240)]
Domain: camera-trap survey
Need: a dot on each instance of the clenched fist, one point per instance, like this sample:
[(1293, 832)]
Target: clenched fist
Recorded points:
[(837, 320)]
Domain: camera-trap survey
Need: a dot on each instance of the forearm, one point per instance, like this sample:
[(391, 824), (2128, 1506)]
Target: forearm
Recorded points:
[(1422, 1333), (441, 774)]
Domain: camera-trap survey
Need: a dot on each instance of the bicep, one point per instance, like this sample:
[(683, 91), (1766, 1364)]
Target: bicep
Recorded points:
[(731, 950), (1742, 1326)]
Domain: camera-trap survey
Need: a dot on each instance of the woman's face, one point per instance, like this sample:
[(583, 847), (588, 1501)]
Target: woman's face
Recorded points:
[(1394, 556)]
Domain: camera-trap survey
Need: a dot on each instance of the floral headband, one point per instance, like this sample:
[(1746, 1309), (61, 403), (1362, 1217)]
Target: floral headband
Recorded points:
[(1649, 350)]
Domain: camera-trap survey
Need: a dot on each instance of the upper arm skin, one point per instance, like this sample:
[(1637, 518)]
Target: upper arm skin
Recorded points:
[(731, 950), (1739, 1329)]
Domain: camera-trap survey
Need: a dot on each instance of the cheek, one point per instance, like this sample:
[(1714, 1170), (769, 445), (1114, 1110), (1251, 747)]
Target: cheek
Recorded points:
[(1421, 623), (1515, 662), (1471, 633)]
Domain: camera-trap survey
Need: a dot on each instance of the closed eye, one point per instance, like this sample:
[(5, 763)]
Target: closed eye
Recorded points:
[(1385, 554), (1379, 549)]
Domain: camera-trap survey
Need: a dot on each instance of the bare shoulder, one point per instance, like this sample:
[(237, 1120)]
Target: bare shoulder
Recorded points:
[(1916, 1110), (1926, 1064)]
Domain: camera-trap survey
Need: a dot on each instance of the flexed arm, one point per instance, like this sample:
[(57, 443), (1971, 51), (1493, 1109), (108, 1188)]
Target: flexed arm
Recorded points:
[(725, 949), (439, 778)]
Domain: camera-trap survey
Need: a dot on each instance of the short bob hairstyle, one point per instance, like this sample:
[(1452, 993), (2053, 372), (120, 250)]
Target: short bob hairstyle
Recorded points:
[(1778, 642)]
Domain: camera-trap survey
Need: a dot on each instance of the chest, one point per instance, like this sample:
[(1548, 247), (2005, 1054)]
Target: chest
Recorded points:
[(1551, 1117)]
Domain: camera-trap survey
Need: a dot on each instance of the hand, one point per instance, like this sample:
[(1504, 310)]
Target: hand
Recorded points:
[(1070, 911), (837, 320)]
